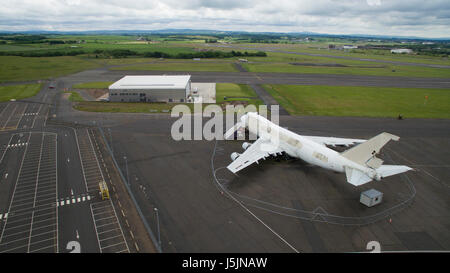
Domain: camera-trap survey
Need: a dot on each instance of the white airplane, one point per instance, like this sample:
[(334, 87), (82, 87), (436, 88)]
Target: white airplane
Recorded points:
[(359, 163)]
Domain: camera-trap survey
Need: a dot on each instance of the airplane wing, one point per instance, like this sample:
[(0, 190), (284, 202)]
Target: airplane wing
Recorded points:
[(332, 141), (260, 149)]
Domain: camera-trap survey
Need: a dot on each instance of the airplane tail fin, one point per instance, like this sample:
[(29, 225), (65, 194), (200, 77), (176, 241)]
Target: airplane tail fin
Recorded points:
[(364, 153)]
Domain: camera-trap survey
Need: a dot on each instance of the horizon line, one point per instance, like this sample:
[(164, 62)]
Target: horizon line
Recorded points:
[(387, 36)]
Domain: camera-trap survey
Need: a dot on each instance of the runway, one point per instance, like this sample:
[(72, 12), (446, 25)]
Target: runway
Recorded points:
[(269, 78)]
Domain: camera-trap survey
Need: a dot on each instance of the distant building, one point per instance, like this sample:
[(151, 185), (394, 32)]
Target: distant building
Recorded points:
[(243, 60), (401, 50), (163, 88), (349, 47), (428, 43)]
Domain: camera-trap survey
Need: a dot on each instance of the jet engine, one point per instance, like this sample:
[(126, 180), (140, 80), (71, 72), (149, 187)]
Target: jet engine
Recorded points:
[(234, 156), (245, 145)]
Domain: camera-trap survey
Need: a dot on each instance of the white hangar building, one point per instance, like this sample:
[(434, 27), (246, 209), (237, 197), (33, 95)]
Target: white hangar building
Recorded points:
[(402, 50), (166, 88)]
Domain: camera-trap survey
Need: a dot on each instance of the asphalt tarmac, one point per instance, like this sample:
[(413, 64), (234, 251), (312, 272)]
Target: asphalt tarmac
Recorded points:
[(49, 196), (284, 206), (269, 78), (183, 191)]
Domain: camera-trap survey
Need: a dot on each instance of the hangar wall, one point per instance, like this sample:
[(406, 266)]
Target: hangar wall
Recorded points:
[(153, 95)]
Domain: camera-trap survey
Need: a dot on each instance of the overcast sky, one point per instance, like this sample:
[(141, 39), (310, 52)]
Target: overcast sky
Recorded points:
[(423, 18)]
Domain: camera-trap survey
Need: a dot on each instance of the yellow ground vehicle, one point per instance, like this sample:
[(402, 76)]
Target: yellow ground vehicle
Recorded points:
[(104, 192)]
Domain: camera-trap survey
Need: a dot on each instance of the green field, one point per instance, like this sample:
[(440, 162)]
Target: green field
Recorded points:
[(322, 48), (91, 45), (18, 92), (369, 70), (15, 68), (181, 66), (21, 47), (236, 92), (127, 107), (74, 96), (276, 57), (122, 61), (92, 85), (362, 101), (138, 47)]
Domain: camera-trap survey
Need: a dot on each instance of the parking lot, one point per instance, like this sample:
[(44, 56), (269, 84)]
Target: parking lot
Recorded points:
[(31, 223), (107, 227), (29, 116), (109, 232), (90, 166), (11, 115)]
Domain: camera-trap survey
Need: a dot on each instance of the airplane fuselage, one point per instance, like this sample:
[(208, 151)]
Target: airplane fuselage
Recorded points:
[(301, 147)]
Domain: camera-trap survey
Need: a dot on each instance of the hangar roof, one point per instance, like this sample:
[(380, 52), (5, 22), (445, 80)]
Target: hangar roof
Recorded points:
[(152, 82)]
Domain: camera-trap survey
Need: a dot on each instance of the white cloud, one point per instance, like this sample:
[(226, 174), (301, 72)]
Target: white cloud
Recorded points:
[(394, 17), (373, 2)]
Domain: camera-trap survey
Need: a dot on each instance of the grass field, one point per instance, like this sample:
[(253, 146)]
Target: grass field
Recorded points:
[(18, 91), (181, 66), (369, 54), (362, 101), (236, 92), (127, 107), (21, 47), (92, 85), (122, 61), (138, 47), (90, 45), (15, 68), (276, 57), (376, 70), (74, 96)]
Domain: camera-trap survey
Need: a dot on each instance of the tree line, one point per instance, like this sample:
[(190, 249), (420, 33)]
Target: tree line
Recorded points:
[(123, 53)]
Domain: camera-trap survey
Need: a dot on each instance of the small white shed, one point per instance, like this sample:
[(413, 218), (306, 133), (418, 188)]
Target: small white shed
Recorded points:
[(371, 197)]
